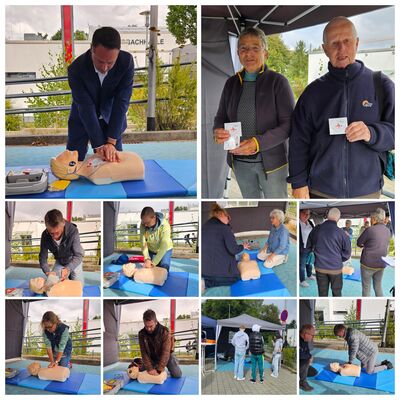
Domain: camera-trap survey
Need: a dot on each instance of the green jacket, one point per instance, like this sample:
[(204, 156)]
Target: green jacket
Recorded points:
[(157, 240)]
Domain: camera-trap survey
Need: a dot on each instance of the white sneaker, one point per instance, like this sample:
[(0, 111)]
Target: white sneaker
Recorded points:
[(312, 278), (241, 379), (304, 284), (274, 376), (235, 377)]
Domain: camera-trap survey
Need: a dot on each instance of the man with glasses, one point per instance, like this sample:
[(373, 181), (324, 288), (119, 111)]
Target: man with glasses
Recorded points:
[(157, 347), (307, 333), (155, 239), (61, 238), (305, 228)]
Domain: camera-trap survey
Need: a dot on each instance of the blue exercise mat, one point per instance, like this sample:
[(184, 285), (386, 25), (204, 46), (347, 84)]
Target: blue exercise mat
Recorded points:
[(355, 276), (182, 171), (190, 386), (160, 181), (268, 285), (178, 284), (383, 381), (170, 386), (157, 183), (77, 383)]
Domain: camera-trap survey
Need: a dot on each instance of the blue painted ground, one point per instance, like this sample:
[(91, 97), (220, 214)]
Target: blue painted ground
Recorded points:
[(326, 356), (177, 265), (189, 371), (12, 389), (16, 155), (285, 272), (90, 278), (353, 288)]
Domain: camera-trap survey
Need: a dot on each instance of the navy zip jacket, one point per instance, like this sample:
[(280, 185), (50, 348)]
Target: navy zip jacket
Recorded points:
[(304, 353), (330, 164), (330, 244), (274, 107), (218, 250)]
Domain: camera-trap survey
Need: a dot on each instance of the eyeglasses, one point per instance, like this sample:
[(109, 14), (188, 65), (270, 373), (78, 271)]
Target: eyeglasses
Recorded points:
[(310, 334), (246, 49)]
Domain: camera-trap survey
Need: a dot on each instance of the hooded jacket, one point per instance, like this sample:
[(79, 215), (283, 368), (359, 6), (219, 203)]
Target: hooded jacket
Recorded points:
[(218, 250), (256, 341), (156, 239), (240, 341), (274, 107), (69, 253), (330, 164), (156, 347)]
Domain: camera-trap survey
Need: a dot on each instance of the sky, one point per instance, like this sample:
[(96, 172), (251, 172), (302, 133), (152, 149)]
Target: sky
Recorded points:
[(134, 311), (369, 38), (127, 206), (66, 309), (47, 19), (37, 210)]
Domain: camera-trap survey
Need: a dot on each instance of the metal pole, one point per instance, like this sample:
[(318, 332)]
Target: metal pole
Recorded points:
[(172, 315), (385, 324), (152, 70), (69, 211), (67, 33), (85, 317)]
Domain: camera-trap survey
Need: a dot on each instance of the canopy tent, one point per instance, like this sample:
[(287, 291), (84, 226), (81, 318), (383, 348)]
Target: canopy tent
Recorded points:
[(247, 321), (246, 219), (306, 310), (348, 209), (110, 217), (16, 319), (218, 22)]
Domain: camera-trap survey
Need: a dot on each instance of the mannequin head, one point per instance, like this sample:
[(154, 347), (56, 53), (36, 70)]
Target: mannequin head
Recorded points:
[(34, 368), (36, 285), (64, 166), (133, 371), (335, 367)]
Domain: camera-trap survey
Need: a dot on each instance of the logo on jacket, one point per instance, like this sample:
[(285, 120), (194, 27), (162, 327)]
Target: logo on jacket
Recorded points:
[(366, 104)]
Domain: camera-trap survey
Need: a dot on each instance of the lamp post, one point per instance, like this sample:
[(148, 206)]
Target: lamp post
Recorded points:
[(146, 24)]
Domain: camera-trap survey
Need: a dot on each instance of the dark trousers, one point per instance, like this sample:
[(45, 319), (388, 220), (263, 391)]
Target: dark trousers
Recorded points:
[(303, 266), (306, 371), (335, 281), (214, 281)]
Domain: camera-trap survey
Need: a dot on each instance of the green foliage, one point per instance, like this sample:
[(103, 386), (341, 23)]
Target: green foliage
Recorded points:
[(289, 357), (59, 119), (78, 35), (182, 23), (279, 54), (351, 318), (14, 121), (390, 334), (292, 324), (76, 334), (33, 344), (178, 85)]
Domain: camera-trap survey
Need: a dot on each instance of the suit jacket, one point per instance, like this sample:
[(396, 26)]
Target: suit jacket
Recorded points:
[(90, 99)]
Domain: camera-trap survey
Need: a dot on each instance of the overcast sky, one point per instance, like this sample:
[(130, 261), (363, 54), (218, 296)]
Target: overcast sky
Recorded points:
[(27, 210), (47, 19), (66, 309), (134, 311), (128, 206)]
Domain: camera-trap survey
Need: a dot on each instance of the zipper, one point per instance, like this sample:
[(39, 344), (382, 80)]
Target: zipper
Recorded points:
[(345, 144)]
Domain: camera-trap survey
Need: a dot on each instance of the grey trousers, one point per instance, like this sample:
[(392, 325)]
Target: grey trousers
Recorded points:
[(255, 184), (75, 275), (370, 367), (376, 276), (173, 367)]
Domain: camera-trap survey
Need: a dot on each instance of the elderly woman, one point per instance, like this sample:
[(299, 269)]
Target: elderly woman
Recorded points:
[(375, 243), (262, 101), (219, 249), (276, 249)]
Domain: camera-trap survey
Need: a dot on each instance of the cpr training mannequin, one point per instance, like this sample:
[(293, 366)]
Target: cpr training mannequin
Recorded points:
[(136, 371), (154, 275), (94, 168), (53, 287), (346, 369), (57, 373), (248, 268)]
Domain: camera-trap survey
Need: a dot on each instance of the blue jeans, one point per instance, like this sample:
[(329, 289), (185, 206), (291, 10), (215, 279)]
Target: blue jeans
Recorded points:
[(239, 364), (75, 275), (165, 261), (64, 359), (303, 266), (257, 361), (275, 364)]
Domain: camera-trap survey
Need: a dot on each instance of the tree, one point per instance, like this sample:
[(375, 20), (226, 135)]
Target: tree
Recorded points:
[(43, 36), (279, 54), (13, 121), (218, 309), (292, 324), (298, 69), (182, 23), (351, 319), (59, 119), (78, 35)]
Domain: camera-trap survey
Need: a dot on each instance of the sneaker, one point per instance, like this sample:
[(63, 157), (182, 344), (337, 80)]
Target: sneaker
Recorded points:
[(252, 380), (304, 284), (261, 380), (241, 379), (388, 364), (306, 387), (273, 375), (312, 278), (235, 377)]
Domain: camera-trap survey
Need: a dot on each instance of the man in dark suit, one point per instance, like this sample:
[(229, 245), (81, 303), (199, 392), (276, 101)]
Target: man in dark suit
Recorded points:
[(101, 82)]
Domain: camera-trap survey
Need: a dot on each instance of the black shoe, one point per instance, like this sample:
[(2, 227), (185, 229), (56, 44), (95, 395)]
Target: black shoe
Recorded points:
[(306, 387), (261, 380), (388, 364), (252, 380)]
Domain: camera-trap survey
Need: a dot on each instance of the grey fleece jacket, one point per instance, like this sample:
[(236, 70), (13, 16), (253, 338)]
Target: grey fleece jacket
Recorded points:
[(360, 346)]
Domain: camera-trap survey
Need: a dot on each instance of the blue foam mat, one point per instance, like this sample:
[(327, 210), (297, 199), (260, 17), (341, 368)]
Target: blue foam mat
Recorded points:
[(182, 171), (355, 276), (170, 386), (23, 374), (33, 382), (260, 287), (84, 189), (382, 381), (70, 386), (91, 291), (91, 384), (190, 386), (157, 183), (175, 285)]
